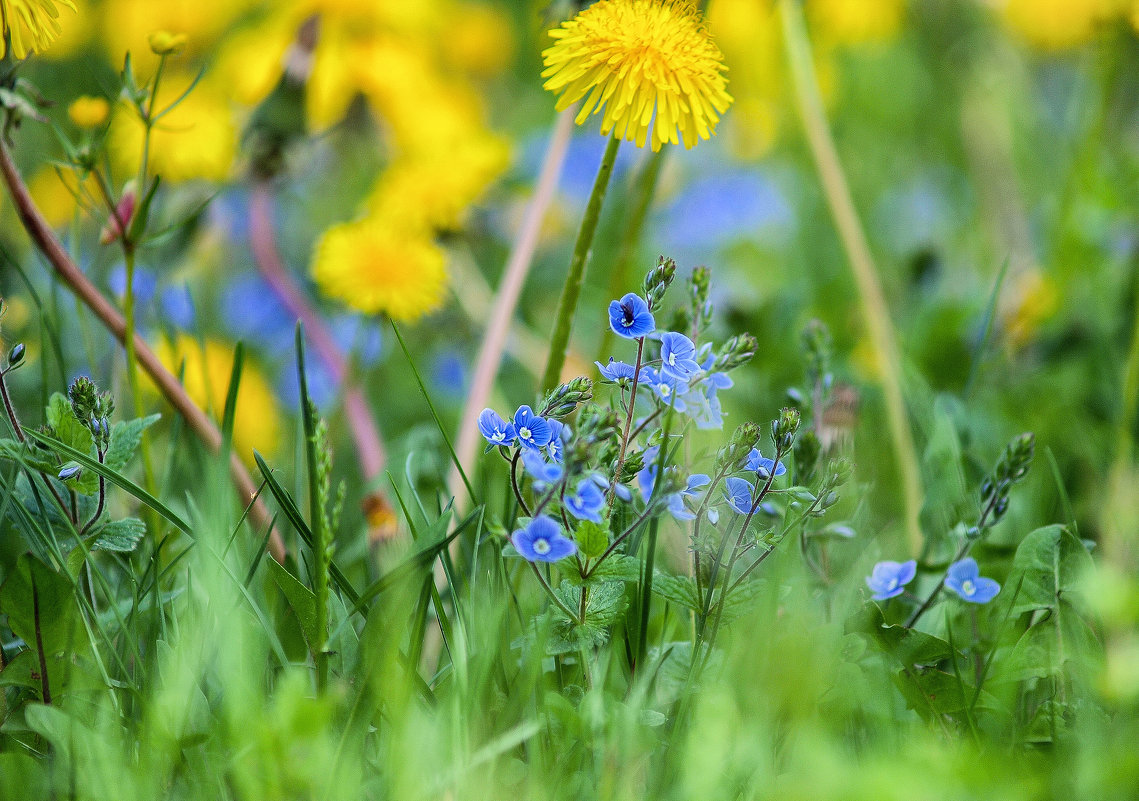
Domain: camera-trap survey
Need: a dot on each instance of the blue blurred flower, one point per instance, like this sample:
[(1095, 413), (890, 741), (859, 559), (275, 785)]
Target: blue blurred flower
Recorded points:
[(143, 285), (630, 317), (620, 490), (888, 579), (965, 579), (541, 471), (542, 541), (253, 313), (533, 431), (704, 409), (496, 430), (759, 464), (587, 502), (676, 505), (449, 373), (178, 306)]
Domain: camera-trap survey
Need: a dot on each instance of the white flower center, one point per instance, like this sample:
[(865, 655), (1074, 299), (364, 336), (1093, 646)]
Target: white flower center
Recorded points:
[(968, 587), (498, 436), (672, 359), (892, 584), (541, 547), (665, 390), (524, 432)]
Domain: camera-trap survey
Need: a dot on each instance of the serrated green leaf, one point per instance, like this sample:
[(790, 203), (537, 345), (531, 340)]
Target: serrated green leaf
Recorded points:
[(679, 590), (122, 536), (592, 539), (11, 449), (125, 438), (73, 434)]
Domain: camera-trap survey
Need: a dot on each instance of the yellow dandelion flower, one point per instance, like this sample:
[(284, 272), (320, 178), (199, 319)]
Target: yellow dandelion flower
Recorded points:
[(1056, 24), (257, 418), (638, 59), (89, 112), (32, 24), (56, 193), (375, 268)]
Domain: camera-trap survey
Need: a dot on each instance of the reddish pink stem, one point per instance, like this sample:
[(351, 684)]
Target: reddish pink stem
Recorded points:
[(369, 446)]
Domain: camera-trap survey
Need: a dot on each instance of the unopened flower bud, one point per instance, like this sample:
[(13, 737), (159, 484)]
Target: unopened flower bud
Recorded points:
[(165, 43), (70, 471), (16, 354)]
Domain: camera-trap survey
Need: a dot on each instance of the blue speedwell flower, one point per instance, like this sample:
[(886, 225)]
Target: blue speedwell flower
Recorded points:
[(762, 466), (587, 502), (676, 505), (496, 430), (669, 389), (738, 492), (542, 541), (965, 579), (630, 317), (533, 431), (888, 579), (559, 435), (677, 356), (617, 372), (541, 471)]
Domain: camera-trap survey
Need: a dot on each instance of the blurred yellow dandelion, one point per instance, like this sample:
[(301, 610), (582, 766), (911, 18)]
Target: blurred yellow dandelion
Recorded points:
[(89, 112), (165, 43), (375, 268), (32, 24), (637, 59)]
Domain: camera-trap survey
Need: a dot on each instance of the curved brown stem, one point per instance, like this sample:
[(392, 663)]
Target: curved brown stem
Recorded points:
[(49, 245)]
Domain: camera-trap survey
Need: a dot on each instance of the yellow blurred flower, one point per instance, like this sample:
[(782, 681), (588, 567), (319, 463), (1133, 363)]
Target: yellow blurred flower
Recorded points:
[(128, 24), (853, 22), (1033, 298), (55, 192), (1056, 24), (32, 24), (374, 268), (639, 60), (196, 140), (257, 418), (165, 43), (434, 191), (89, 112), (482, 41)]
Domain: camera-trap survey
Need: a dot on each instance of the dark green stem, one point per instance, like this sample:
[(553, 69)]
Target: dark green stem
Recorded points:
[(571, 290)]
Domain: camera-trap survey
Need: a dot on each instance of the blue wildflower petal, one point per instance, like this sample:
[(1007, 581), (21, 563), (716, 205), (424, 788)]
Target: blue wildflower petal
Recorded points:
[(559, 435), (630, 317), (532, 431), (676, 356), (964, 578), (668, 389), (705, 410), (539, 469), (496, 430), (888, 579), (738, 492), (542, 541), (615, 371), (758, 463), (587, 502), (695, 481)]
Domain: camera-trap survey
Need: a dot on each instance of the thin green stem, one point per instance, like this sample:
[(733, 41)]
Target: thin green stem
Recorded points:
[(571, 290), (572, 615), (875, 312)]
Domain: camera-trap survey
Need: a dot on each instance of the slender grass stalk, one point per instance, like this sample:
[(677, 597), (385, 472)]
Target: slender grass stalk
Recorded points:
[(1117, 515), (506, 299), (571, 290), (875, 312)]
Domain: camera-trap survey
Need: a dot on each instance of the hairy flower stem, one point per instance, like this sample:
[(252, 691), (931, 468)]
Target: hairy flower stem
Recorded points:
[(628, 424), (69, 273), (875, 312), (571, 290), (572, 615), (101, 454)]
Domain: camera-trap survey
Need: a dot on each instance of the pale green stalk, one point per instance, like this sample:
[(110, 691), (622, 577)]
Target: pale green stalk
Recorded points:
[(875, 312), (571, 290)]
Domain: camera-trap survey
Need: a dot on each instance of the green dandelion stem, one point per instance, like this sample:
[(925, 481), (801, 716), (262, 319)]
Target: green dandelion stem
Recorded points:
[(571, 290), (875, 312)]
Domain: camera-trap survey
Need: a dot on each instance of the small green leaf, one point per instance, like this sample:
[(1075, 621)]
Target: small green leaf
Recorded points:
[(122, 536), (41, 607), (125, 438), (679, 590), (592, 539), (1053, 563), (302, 601)]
